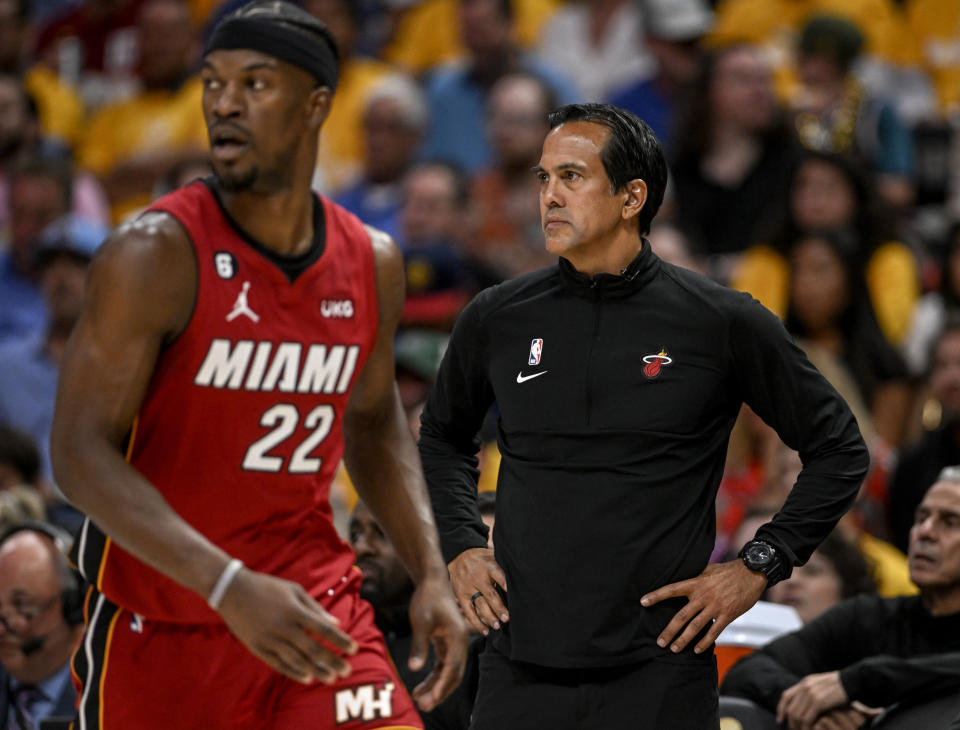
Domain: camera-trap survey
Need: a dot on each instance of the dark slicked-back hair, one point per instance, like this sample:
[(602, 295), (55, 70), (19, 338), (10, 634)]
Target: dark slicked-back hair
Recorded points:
[(632, 151)]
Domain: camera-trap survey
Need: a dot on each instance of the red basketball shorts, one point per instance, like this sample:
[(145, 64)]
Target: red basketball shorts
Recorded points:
[(136, 674)]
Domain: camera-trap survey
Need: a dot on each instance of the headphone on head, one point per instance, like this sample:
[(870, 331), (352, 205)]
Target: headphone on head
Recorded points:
[(72, 587)]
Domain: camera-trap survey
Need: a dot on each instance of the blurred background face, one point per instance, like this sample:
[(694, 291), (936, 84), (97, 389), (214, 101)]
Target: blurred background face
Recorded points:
[(518, 120), (339, 19), (816, 70), (14, 119), (818, 286), (63, 280), (934, 552), (390, 140), (35, 203), (811, 589), (167, 42), (385, 579), (945, 374), (484, 27), (13, 35), (742, 90), (677, 60), (430, 210), (30, 606), (822, 196)]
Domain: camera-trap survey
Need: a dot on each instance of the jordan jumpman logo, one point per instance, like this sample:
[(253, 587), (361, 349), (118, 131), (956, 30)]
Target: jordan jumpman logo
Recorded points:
[(241, 307)]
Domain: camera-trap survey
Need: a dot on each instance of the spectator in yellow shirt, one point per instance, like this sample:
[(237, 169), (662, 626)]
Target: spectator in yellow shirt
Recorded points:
[(58, 105), (891, 61), (427, 33), (130, 145), (22, 139), (340, 158), (935, 25)]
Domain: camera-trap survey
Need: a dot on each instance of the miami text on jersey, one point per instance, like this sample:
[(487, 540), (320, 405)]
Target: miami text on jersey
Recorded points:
[(267, 366)]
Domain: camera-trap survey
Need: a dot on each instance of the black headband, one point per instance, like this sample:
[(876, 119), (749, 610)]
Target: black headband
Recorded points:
[(280, 40)]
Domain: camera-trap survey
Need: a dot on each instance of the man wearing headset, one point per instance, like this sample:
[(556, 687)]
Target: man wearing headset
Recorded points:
[(40, 624)]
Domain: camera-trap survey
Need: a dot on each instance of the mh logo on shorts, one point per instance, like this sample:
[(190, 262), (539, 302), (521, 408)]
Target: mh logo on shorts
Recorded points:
[(536, 349), (364, 702)]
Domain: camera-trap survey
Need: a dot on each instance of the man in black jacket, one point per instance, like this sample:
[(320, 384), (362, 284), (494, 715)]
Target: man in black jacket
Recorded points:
[(870, 651), (617, 378)]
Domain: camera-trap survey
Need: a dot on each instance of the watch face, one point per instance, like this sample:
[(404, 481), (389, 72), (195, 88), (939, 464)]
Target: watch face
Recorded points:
[(758, 554)]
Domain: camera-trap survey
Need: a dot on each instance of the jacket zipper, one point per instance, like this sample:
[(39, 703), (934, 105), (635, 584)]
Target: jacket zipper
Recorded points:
[(596, 287)]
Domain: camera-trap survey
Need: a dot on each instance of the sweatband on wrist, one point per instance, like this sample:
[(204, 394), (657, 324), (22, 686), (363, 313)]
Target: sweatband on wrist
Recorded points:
[(223, 583), (279, 40)]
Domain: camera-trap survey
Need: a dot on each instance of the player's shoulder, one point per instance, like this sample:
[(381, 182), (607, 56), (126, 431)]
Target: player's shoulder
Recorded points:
[(382, 243), (154, 235), (149, 259)]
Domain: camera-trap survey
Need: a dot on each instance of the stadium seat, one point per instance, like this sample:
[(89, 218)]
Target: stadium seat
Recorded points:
[(740, 714), (763, 623)]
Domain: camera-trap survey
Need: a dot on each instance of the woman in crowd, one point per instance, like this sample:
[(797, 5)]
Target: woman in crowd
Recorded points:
[(829, 306), (836, 571), (828, 190), (733, 151)]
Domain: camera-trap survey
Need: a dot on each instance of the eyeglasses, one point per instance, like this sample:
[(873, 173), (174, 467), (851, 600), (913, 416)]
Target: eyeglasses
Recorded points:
[(26, 613)]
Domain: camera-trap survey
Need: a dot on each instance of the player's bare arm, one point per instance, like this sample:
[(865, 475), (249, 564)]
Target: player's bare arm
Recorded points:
[(384, 464), (140, 296)]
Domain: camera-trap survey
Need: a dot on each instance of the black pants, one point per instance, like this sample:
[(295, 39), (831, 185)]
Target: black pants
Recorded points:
[(666, 693)]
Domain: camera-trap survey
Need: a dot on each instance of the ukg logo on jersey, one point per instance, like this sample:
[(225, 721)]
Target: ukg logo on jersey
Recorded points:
[(336, 308)]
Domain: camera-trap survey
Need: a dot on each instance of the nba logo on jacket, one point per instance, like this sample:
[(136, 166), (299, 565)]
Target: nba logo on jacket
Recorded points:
[(536, 348)]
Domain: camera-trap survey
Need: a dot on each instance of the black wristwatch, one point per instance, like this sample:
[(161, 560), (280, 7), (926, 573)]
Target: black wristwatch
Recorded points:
[(763, 557)]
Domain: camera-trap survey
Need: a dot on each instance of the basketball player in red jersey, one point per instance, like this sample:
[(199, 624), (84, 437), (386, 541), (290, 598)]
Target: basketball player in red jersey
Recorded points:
[(236, 343)]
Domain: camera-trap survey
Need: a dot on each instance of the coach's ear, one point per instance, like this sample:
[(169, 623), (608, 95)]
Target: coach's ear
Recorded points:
[(635, 198)]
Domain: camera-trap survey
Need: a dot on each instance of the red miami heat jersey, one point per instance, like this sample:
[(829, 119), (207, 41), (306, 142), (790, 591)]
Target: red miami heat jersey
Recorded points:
[(240, 429)]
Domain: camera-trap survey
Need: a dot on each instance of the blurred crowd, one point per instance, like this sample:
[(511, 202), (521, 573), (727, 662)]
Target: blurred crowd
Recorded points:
[(815, 163)]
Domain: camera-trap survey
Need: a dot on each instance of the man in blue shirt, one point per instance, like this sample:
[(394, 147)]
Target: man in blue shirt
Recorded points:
[(457, 93), (40, 202), (29, 365)]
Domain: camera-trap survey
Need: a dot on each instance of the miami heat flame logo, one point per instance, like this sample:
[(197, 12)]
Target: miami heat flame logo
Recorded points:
[(655, 363)]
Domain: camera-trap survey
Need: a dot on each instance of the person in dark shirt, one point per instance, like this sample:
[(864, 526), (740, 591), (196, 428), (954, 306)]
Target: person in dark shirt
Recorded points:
[(388, 587), (617, 379), (732, 152), (869, 652), (919, 463)]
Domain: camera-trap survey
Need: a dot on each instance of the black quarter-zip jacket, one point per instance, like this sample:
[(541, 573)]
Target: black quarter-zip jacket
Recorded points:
[(616, 397)]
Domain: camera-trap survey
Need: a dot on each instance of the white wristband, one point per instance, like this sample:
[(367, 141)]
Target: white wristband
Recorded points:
[(223, 583)]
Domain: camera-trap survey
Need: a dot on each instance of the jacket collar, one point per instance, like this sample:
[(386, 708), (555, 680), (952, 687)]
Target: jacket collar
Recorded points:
[(637, 274)]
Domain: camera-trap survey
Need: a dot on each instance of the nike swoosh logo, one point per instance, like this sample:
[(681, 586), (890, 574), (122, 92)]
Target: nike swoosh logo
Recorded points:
[(521, 378)]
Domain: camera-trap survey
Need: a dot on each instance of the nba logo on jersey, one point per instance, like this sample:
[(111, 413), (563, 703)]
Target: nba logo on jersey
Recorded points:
[(536, 347)]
